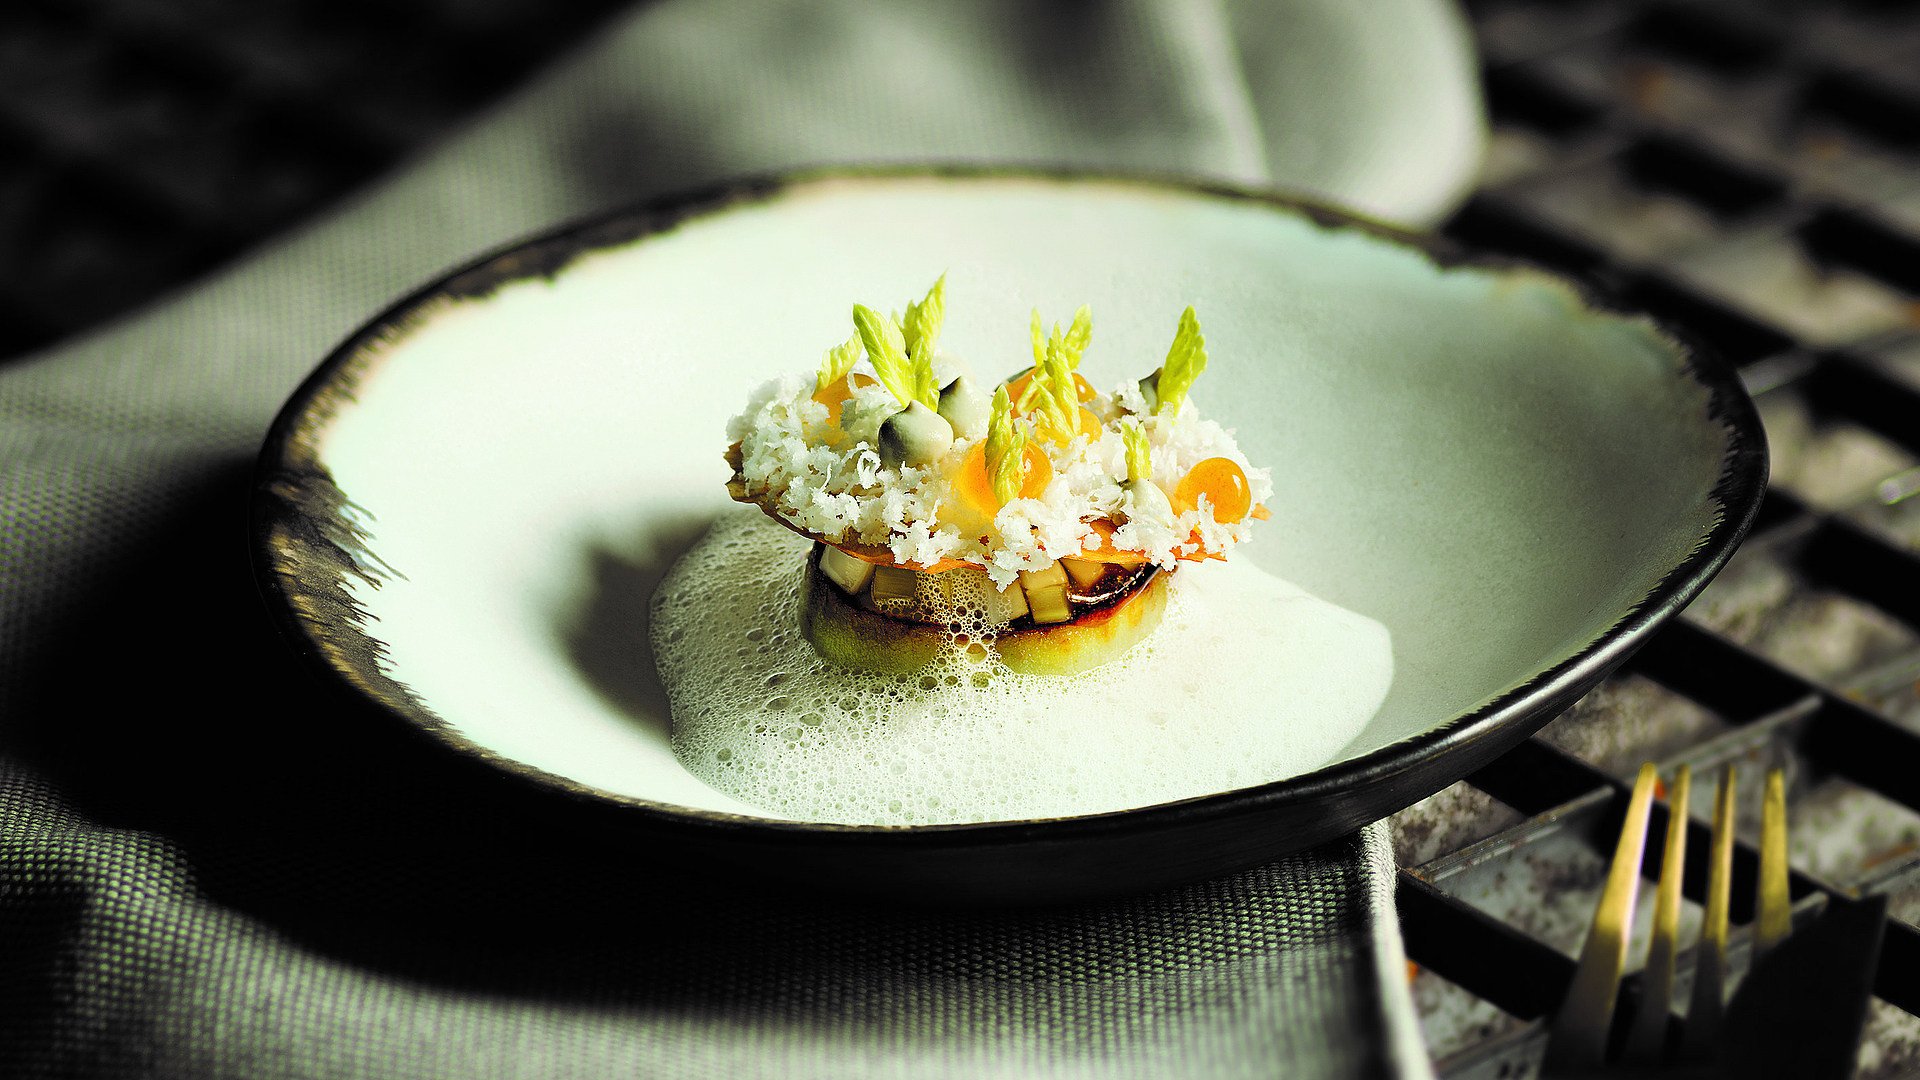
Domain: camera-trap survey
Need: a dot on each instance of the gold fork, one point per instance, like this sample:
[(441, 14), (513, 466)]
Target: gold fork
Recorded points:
[(1647, 1040), (1710, 956), (1577, 1040)]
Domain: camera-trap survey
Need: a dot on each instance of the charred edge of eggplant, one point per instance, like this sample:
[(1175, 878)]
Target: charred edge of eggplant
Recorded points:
[(1117, 582)]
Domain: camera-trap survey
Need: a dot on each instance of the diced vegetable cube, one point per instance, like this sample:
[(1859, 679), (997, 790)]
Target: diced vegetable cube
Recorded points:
[(844, 570), (1082, 573), (892, 585), (1006, 605), (1047, 594)]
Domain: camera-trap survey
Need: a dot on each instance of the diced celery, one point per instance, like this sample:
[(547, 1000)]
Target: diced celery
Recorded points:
[(1047, 594), (1008, 604), (892, 585), (844, 570)]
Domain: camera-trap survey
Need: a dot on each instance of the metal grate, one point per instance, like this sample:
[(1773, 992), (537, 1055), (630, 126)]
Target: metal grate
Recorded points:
[(1751, 172), (144, 142)]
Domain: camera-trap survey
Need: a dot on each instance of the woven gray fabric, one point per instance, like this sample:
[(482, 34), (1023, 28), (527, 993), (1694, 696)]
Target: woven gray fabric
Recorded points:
[(1279, 971), (209, 868)]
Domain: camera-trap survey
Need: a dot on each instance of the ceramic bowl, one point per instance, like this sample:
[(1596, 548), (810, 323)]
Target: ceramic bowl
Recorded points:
[(462, 513)]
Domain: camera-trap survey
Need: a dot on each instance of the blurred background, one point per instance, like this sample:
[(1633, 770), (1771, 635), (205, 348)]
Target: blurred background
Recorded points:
[(1748, 170), (145, 142)]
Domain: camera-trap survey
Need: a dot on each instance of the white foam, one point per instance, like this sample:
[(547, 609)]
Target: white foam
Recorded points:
[(1247, 680)]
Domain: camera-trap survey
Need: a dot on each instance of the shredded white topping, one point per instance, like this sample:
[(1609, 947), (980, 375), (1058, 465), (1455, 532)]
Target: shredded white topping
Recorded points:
[(828, 480)]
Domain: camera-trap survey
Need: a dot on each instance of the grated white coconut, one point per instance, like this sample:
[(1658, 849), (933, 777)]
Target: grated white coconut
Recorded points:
[(827, 480)]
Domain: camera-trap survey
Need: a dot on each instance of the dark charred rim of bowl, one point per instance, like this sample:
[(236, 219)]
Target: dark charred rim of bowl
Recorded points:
[(303, 545)]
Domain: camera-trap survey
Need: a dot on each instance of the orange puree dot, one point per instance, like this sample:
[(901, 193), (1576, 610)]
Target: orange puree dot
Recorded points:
[(1224, 485), (973, 487)]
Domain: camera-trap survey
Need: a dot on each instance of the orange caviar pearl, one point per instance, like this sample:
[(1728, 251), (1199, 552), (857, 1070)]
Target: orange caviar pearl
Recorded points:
[(1224, 485), (971, 484), (975, 488), (1036, 472), (1090, 425), (1081, 387), (1018, 387)]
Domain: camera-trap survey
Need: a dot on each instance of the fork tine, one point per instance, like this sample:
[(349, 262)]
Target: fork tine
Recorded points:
[(1776, 910), (1710, 958), (1647, 1041), (1578, 1039)]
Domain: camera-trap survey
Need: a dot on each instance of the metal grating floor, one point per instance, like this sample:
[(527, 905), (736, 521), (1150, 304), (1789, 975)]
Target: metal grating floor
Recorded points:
[(1751, 172)]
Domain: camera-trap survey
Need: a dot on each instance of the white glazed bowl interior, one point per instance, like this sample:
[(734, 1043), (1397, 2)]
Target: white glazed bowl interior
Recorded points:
[(1471, 457)]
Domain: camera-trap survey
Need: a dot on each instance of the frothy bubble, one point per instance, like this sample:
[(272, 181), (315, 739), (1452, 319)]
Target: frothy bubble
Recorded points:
[(1247, 680)]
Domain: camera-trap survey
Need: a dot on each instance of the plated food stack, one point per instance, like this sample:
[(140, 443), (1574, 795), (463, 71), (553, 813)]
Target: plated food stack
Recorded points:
[(1039, 522)]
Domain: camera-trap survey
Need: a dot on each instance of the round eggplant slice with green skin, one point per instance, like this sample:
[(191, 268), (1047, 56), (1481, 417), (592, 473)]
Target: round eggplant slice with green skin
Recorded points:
[(843, 630), (862, 640)]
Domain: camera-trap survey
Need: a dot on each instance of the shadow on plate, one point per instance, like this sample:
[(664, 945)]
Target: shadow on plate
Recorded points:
[(606, 629), (173, 711)]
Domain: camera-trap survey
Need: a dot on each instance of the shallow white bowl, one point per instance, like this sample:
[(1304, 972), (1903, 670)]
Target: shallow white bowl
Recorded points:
[(1517, 485)]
